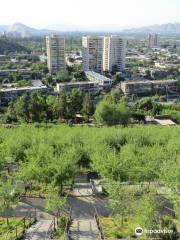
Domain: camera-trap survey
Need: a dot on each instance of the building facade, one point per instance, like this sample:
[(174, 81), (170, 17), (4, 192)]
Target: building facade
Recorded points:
[(92, 53), (12, 94), (114, 54), (55, 45), (103, 82), (24, 73), (152, 40), (87, 87), (145, 88)]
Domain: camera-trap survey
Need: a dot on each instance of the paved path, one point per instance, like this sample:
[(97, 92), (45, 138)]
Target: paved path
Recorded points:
[(84, 226), (84, 229), (38, 231)]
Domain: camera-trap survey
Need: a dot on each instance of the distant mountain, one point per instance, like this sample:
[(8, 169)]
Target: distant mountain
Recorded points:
[(21, 30), (169, 28), (3, 28)]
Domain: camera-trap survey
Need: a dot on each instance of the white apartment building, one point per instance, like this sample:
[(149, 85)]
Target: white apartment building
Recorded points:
[(55, 53), (101, 80), (88, 87), (114, 53), (92, 53)]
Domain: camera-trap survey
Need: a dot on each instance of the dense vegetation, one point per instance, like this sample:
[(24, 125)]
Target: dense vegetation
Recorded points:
[(39, 108), (130, 160), (110, 110), (11, 46)]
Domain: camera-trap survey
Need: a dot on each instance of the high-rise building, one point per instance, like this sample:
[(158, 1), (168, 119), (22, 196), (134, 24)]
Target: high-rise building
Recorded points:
[(152, 40), (92, 53), (55, 53), (114, 54)]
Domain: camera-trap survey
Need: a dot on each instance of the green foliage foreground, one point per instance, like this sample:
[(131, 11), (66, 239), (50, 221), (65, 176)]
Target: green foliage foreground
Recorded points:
[(139, 153), (52, 155)]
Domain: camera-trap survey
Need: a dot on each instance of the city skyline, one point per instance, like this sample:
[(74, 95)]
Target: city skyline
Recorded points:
[(76, 15)]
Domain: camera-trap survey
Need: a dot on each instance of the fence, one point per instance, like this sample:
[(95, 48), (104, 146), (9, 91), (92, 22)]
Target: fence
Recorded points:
[(100, 228), (20, 228), (66, 231), (51, 230)]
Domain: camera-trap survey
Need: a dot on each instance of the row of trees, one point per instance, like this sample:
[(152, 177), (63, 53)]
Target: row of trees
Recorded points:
[(112, 109), (39, 108)]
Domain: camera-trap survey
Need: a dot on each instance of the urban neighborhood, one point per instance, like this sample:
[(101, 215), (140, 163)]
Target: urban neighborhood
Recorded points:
[(89, 120)]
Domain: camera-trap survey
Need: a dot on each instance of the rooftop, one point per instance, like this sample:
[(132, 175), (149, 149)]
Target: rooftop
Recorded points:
[(15, 70), (97, 75), (164, 122), (150, 81), (74, 83), (22, 88)]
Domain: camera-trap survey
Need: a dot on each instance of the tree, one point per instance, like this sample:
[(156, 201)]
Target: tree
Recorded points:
[(147, 211), (148, 105), (112, 114), (20, 109), (79, 74), (9, 197), (63, 76), (37, 107), (62, 105), (54, 202), (39, 70), (15, 77), (48, 79), (115, 96), (88, 107), (119, 200), (148, 215)]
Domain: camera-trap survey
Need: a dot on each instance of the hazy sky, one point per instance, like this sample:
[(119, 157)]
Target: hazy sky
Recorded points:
[(82, 14)]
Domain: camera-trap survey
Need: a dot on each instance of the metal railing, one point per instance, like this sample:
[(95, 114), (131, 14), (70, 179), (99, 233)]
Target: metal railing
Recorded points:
[(67, 228), (100, 228), (18, 226), (51, 230)]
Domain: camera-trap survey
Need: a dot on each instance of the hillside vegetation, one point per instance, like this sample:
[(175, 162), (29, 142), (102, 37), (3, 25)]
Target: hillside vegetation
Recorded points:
[(140, 168), (10, 46)]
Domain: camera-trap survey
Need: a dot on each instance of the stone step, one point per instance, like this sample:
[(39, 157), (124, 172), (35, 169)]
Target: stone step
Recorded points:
[(38, 231), (84, 229)]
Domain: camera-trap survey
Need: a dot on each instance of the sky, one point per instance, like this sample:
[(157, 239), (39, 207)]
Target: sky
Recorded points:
[(89, 14)]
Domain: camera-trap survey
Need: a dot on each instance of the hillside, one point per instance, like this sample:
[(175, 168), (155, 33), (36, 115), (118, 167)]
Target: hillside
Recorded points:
[(21, 30), (169, 28), (9, 45)]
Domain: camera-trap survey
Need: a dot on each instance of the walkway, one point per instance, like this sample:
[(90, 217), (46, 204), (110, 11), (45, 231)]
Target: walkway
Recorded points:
[(38, 231), (84, 226), (82, 229)]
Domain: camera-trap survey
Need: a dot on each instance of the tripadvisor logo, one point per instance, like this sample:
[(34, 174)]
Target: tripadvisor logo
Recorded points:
[(139, 231)]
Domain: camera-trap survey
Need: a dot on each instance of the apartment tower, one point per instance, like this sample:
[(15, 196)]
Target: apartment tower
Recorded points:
[(92, 53), (152, 40), (55, 53), (114, 52)]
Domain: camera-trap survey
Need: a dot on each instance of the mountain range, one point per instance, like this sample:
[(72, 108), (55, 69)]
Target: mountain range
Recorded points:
[(21, 30), (169, 28)]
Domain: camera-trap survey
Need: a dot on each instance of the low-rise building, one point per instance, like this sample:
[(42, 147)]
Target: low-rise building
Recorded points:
[(11, 94), (88, 87), (101, 80), (25, 73), (150, 87)]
